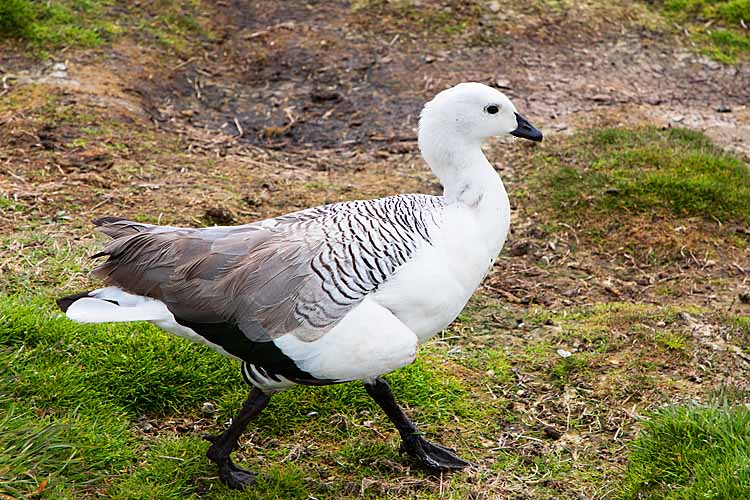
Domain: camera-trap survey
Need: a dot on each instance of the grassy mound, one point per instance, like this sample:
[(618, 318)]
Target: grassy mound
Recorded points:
[(648, 170), (717, 25), (55, 23)]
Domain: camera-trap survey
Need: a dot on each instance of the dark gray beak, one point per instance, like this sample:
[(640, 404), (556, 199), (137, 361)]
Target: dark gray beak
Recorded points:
[(526, 129)]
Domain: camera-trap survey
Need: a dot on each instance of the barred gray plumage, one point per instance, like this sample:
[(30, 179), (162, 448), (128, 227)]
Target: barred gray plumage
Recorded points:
[(298, 273)]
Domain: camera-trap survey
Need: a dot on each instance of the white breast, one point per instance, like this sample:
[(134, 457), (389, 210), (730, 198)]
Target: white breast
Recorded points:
[(429, 292)]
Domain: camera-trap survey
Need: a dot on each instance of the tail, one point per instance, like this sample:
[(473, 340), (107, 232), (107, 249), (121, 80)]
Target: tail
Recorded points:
[(112, 304)]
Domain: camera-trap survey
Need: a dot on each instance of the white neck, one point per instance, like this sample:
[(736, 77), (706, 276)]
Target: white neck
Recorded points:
[(461, 166)]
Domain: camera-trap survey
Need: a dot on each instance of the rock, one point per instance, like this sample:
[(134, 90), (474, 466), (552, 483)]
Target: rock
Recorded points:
[(208, 409), (218, 215), (321, 95), (723, 109), (494, 6), (59, 70), (502, 83), (563, 353)]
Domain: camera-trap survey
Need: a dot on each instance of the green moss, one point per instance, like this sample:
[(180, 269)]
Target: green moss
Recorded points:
[(724, 39), (54, 24), (727, 46), (646, 170)]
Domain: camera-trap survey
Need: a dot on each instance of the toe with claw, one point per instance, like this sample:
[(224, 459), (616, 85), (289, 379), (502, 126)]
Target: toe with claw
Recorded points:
[(432, 456)]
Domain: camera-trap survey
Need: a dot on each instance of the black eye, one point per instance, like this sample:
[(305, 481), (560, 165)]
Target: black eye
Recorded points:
[(492, 109)]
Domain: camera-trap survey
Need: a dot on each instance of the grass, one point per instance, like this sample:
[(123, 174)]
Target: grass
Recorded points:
[(659, 195), (675, 171), (716, 25), (52, 25), (691, 452), (58, 23)]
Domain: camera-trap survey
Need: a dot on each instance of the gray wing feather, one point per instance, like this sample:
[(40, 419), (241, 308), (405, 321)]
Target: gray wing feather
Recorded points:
[(299, 273)]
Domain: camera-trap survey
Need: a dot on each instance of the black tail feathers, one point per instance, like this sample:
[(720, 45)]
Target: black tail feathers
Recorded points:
[(64, 302)]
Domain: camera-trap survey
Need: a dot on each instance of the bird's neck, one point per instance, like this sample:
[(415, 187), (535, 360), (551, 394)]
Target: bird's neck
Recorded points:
[(466, 175)]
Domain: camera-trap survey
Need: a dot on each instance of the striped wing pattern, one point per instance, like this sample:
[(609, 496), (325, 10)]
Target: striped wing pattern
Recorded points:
[(298, 273)]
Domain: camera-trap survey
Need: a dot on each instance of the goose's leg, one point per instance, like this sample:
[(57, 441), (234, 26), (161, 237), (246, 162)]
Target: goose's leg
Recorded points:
[(431, 456), (223, 444)]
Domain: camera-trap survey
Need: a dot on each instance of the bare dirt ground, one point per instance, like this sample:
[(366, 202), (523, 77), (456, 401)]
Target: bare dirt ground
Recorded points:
[(289, 104)]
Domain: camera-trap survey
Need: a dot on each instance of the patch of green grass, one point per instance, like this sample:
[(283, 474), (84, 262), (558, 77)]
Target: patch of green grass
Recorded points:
[(175, 25), (644, 170), (673, 341), (727, 46), (37, 448), (716, 25), (691, 452), (566, 369), (135, 366), (49, 25), (54, 24)]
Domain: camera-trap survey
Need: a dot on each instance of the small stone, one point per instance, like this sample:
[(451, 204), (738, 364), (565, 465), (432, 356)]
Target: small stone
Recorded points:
[(208, 409), (218, 215), (723, 109), (429, 59), (563, 353), (494, 6), (59, 70), (552, 433), (312, 414), (502, 83), (677, 118)]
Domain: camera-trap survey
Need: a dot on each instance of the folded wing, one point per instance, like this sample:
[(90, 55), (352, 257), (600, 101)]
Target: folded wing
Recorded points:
[(299, 273)]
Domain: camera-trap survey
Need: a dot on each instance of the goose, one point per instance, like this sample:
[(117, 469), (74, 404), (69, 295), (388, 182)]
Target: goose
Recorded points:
[(337, 293)]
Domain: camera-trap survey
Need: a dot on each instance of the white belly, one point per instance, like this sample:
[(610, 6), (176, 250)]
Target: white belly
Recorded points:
[(430, 291)]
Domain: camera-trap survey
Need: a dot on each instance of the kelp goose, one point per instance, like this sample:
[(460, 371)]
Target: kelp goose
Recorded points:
[(331, 294)]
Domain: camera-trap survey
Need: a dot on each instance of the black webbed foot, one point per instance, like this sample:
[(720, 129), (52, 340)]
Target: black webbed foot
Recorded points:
[(235, 477), (432, 456)]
